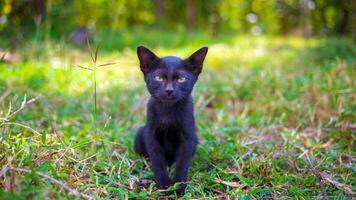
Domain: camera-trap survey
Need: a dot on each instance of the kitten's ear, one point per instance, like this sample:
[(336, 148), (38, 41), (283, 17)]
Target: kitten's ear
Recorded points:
[(195, 61), (146, 58)]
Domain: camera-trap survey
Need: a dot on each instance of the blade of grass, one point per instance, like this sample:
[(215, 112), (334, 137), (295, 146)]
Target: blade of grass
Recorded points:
[(107, 64), (86, 68), (96, 53), (90, 49)]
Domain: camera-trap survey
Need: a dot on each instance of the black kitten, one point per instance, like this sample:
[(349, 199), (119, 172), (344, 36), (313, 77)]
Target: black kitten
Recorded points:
[(169, 135)]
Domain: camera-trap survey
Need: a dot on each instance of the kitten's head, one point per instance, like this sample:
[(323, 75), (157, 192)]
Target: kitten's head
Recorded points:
[(170, 79)]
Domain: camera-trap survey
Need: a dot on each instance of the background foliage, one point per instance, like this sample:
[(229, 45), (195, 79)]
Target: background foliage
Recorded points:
[(319, 17)]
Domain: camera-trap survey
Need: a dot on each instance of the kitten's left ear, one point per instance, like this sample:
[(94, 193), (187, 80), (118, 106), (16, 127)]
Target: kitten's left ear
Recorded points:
[(196, 60)]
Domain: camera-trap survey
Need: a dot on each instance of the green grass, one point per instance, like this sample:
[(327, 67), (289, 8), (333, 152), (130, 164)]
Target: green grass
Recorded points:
[(276, 118)]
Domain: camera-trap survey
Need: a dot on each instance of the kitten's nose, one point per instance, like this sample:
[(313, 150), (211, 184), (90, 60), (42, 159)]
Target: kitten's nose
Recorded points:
[(169, 91)]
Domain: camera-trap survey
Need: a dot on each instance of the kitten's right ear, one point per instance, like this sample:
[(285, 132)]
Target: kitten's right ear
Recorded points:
[(146, 58)]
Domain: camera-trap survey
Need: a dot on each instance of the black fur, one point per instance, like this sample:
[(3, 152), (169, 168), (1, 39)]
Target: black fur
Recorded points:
[(169, 134)]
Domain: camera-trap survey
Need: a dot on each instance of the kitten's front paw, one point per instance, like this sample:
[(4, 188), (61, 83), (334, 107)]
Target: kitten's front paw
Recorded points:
[(164, 188), (164, 185), (180, 189)]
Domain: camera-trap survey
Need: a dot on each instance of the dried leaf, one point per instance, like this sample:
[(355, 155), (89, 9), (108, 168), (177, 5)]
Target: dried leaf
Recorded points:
[(9, 111), (328, 178), (3, 56), (23, 102), (231, 184)]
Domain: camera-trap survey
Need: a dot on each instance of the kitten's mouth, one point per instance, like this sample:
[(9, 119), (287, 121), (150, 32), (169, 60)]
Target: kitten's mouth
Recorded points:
[(169, 99)]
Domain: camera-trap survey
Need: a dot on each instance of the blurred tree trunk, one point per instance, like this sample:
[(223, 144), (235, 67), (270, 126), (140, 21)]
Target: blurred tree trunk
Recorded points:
[(159, 11), (215, 21), (344, 20), (39, 10), (324, 22), (283, 17), (354, 21), (307, 26), (190, 15)]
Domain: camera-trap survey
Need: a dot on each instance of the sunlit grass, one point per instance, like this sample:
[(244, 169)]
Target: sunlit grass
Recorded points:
[(275, 117)]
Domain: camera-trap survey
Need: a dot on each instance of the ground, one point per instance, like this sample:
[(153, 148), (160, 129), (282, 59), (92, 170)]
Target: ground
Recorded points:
[(276, 118)]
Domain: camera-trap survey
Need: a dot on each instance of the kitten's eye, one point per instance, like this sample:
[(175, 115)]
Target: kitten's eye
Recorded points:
[(181, 79), (158, 78)]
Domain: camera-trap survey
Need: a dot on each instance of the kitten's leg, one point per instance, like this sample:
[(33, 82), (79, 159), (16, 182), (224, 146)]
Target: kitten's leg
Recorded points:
[(158, 161), (140, 146), (185, 153)]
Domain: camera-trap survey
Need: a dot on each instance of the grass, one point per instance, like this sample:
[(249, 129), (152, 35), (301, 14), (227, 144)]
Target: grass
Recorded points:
[(276, 118)]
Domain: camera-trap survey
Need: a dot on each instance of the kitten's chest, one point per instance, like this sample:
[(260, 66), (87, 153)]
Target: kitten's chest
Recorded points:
[(169, 120), (174, 118)]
